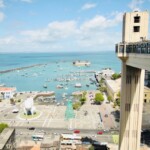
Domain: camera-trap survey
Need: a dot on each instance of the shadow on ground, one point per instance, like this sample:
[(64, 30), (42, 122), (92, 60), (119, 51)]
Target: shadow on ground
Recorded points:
[(116, 115), (97, 145)]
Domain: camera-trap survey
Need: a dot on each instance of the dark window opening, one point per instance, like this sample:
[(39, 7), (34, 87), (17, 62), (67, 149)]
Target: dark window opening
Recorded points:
[(137, 19), (145, 100), (136, 29), (145, 95)]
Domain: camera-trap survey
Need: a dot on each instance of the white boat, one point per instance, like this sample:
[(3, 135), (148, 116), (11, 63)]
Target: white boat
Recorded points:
[(2, 84), (78, 85), (58, 104), (64, 95), (44, 86), (59, 86)]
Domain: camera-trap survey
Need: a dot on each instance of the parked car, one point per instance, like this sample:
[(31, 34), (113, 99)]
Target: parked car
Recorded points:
[(106, 115), (31, 128), (76, 131), (100, 132)]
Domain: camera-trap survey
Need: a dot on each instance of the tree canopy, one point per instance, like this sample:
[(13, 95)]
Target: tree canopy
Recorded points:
[(115, 76), (99, 98), (3, 126)]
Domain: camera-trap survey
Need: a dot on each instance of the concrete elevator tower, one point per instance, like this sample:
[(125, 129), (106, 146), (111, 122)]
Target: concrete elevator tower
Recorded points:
[(133, 52)]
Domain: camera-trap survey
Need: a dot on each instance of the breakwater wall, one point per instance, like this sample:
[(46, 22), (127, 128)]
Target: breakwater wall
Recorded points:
[(43, 94), (84, 71), (21, 68)]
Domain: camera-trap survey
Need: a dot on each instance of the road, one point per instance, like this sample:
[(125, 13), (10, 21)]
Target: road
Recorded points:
[(24, 134)]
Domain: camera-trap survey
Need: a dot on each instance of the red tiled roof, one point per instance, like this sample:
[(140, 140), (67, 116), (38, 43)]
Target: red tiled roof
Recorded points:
[(7, 89)]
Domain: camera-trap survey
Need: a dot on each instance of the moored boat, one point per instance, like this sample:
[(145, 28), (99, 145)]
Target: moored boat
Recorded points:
[(78, 85), (59, 86), (44, 86)]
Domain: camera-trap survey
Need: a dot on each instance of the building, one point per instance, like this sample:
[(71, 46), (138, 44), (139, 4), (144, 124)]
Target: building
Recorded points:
[(52, 143), (133, 51), (135, 26), (7, 139), (81, 63), (147, 78), (70, 141), (113, 87), (50, 146), (7, 92), (146, 94), (106, 72)]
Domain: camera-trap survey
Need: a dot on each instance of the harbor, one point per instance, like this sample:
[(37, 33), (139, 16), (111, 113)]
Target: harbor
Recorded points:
[(58, 76)]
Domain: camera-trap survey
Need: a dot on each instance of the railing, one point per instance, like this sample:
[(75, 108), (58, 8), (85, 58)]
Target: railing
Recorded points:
[(137, 47)]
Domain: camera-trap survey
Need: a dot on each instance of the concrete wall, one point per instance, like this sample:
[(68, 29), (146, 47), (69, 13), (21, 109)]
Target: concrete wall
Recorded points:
[(129, 35), (114, 94), (146, 95)]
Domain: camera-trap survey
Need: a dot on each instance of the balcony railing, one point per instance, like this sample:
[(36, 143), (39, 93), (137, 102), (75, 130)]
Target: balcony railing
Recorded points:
[(123, 49)]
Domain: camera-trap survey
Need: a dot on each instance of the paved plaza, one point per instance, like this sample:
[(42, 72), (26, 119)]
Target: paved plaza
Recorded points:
[(54, 116)]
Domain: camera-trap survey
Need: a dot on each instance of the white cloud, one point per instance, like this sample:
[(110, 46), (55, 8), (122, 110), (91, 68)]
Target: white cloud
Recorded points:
[(55, 31), (94, 34), (8, 40), (88, 6), (2, 16), (27, 1), (135, 4), (2, 4), (101, 22)]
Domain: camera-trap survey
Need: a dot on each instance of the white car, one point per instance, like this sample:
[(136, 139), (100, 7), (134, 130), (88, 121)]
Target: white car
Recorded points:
[(16, 110)]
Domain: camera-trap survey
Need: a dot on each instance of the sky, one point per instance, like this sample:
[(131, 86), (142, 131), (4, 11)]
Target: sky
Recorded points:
[(63, 25)]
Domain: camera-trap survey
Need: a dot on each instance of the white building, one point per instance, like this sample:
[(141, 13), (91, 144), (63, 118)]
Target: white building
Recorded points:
[(7, 92), (105, 73)]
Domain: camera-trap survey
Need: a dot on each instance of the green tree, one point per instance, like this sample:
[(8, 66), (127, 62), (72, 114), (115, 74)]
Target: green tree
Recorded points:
[(118, 94), (3, 94), (3, 126), (118, 102), (109, 98), (82, 100), (101, 81), (99, 98), (102, 89), (19, 100), (115, 76), (12, 101), (84, 94), (76, 105), (91, 148)]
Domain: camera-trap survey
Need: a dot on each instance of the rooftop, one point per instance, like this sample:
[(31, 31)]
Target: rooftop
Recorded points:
[(7, 88), (4, 136), (114, 85)]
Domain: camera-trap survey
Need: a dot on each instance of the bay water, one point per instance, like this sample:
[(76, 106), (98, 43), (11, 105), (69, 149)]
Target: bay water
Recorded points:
[(55, 68)]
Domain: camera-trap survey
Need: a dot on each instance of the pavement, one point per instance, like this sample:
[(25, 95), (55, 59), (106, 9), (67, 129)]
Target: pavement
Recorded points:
[(54, 116)]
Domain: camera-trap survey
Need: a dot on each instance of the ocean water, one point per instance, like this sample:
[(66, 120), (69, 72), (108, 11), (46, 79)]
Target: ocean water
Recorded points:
[(58, 66)]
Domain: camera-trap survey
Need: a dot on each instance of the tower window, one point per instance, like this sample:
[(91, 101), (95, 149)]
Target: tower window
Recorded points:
[(136, 29), (137, 19)]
